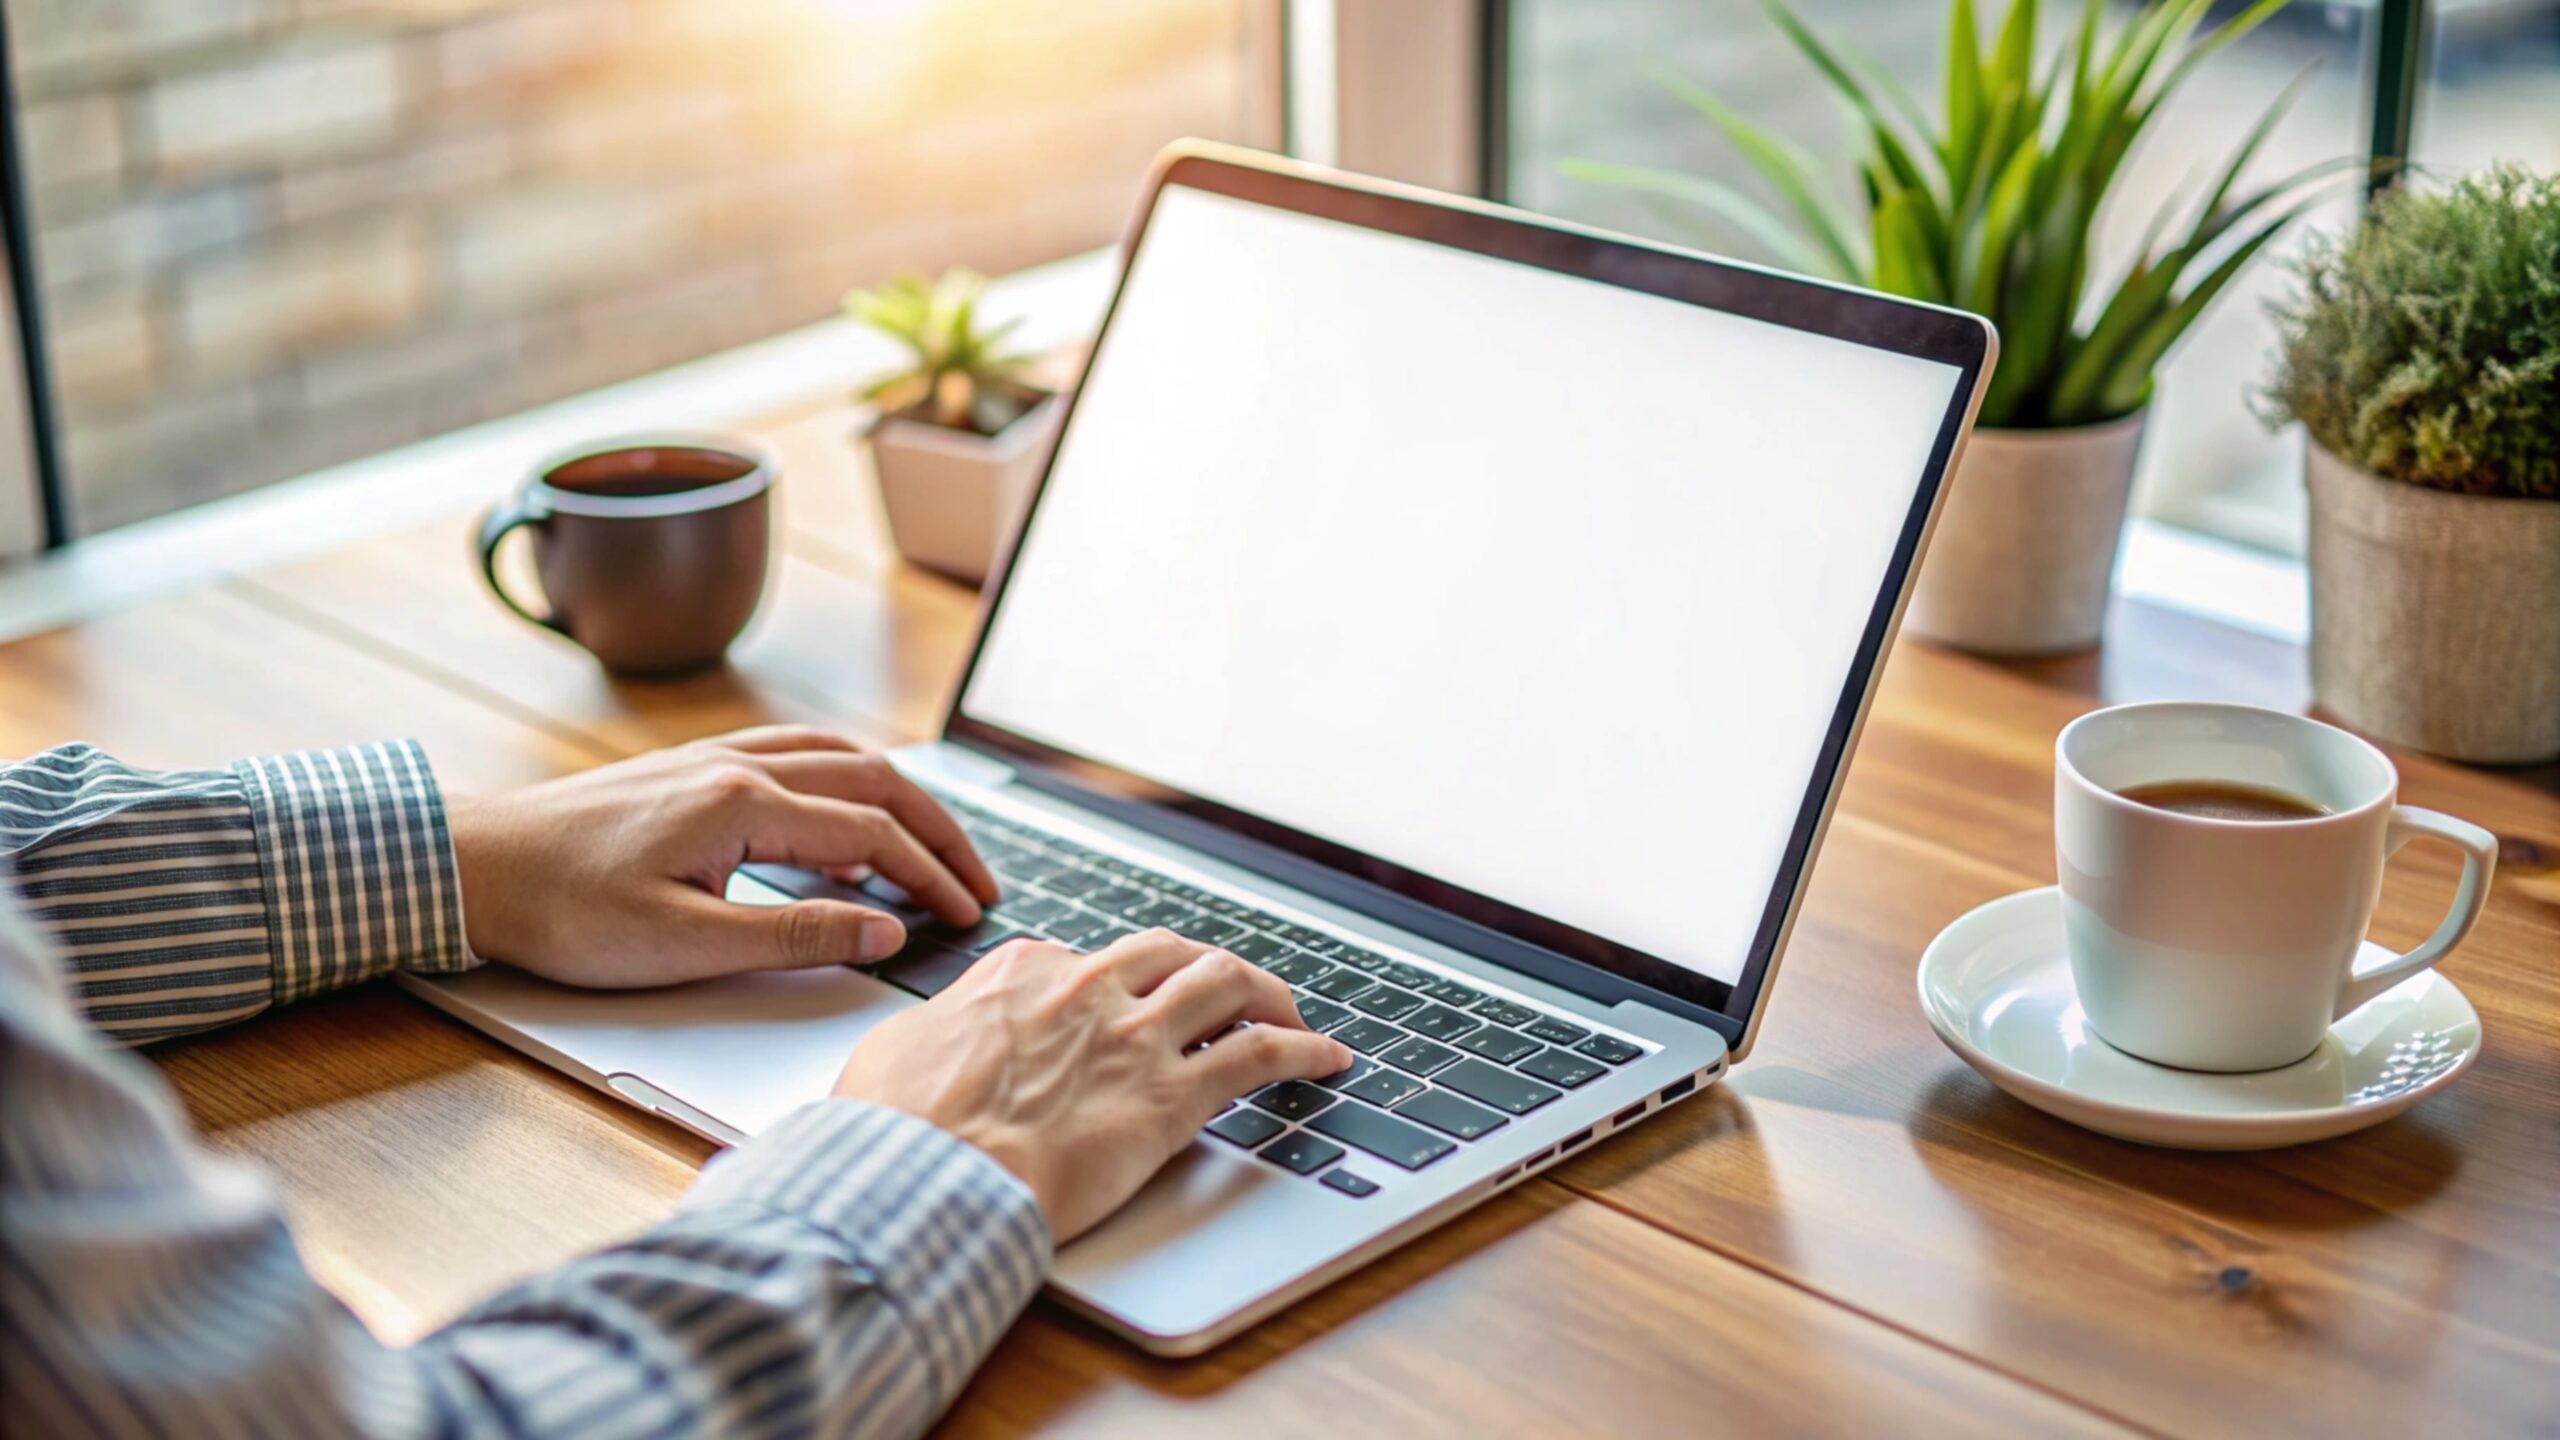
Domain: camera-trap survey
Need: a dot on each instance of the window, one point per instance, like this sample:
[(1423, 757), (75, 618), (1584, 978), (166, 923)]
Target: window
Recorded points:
[(1579, 77), (272, 235)]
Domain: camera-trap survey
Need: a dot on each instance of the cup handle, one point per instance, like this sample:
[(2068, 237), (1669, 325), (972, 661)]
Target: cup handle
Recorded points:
[(506, 515), (2479, 858)]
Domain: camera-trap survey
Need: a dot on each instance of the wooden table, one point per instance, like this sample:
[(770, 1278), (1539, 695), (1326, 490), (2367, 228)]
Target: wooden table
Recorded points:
[(1855, 1234)]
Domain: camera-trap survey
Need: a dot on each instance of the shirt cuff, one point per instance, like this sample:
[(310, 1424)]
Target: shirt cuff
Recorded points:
[(360, 874), (958, 1245)]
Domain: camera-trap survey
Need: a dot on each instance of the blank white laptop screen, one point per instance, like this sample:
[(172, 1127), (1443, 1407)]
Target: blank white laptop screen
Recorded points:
[(1533, 585)]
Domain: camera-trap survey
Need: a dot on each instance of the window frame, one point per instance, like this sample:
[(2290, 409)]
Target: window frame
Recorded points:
[(32, 513)]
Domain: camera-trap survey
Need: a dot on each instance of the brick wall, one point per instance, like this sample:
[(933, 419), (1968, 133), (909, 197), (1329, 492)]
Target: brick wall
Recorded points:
[(276, 234)]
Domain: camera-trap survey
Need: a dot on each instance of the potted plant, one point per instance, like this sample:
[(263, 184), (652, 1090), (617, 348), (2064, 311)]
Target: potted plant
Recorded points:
[(2422, 355), (958, 433), (1989, 207)]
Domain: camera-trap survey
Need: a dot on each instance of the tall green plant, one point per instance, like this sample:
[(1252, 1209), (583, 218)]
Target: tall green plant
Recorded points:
[(1990, 206)]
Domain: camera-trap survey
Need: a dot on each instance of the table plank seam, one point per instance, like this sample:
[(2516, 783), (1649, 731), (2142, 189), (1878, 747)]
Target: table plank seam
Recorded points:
[(2077, 1402)]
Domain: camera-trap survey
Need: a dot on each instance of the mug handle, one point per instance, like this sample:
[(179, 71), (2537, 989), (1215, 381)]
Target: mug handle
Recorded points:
[(506, 515), (2479, 858)]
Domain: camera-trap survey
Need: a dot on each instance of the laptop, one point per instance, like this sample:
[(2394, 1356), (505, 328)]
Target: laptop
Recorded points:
[(1466, 617)]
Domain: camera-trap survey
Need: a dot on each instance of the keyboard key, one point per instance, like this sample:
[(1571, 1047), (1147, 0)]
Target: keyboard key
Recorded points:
[(1294, 1099), (1608, 1049), (1340, 985), (1498, 1045), (1387, 1002), (1156, 912), (1245, 1126), (1368, 1036), (1076, 884), (1207, 929), (1558, 1067), (1321, 1015), (1341, 1079), (1120, 900), (1442, 1023), (1080, 930), (1348, 1183), (1505, 1012), (1300, 969), (1450, 1115), (1300, 934), (987, 935), (1111, 932), (1395, 1141), (1318, 943), (1556, 1032), (1450, 992), (927, 972), (1261, 949), (1221, 905), (1262, 919), (1411, 977), (1498, 1088), (1419, 1056), (1367, 962), (1034, 912), (1383, 1088), (1301, 1152)]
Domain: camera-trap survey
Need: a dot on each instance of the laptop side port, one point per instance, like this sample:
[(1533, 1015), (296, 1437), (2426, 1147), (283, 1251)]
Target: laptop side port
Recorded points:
[(1678, 1088), (1628, 1116), (1574, 1141)]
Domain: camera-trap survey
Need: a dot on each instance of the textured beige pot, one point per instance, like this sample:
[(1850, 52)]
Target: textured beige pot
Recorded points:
[(953, 496), (2435, 618), (2026, 541)]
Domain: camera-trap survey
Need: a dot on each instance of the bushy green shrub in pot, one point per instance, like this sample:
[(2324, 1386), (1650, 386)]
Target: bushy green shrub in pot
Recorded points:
[(2422, 355), (1990, 205)]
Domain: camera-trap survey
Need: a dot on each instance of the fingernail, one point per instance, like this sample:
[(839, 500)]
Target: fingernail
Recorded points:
[(881, 938)]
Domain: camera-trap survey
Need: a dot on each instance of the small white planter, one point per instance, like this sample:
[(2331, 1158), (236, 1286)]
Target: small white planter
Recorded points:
[(2026, 541), (2435, 617), (953, 497)]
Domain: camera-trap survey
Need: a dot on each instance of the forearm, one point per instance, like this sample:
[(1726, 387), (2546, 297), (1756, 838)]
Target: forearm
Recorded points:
[(185, 899), (841, 1275)]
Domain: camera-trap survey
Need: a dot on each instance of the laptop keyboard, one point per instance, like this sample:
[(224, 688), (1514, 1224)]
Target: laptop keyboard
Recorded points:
[(1439, 1062)]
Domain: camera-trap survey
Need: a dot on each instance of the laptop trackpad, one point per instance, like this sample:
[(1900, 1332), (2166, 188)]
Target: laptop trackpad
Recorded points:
[(742, 1052)]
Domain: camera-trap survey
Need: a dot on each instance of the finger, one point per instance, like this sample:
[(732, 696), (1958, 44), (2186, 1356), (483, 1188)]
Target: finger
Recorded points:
[(1243, 1061), (782, 739), (720, 937), (1149, 958), (1214, 992), (872, 780), (822, 833)]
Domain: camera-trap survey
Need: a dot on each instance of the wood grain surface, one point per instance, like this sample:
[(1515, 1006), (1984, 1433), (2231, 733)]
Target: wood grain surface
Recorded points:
[(1853, 1235)]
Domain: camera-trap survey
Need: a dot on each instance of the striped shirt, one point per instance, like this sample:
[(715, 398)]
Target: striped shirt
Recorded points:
[(841, 1274)]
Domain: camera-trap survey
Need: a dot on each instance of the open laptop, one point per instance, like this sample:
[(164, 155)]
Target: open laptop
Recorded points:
[(1464, 616)]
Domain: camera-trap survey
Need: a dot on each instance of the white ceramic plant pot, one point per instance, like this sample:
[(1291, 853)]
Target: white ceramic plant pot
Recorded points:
[(953, 496), (2026, 541), (2435, 617)]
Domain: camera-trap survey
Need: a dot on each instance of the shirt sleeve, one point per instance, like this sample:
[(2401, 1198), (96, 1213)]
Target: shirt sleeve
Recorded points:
[(185, 899), (841, 1275)]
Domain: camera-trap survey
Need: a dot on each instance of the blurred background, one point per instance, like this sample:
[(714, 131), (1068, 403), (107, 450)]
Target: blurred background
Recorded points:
[(272, 235)]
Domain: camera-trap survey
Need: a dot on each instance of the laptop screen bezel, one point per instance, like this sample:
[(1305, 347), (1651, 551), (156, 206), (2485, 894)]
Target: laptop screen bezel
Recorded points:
[(1926, 332)]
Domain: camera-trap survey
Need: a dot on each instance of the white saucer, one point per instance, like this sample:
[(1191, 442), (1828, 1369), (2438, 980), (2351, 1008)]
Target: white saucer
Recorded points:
[(1996, 985)]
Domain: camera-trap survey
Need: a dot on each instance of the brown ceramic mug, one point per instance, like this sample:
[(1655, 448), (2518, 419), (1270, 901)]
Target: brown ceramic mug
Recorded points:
[(651, 551)]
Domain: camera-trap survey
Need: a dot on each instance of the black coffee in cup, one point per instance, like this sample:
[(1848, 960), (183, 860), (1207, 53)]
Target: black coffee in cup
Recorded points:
[(651, 553)]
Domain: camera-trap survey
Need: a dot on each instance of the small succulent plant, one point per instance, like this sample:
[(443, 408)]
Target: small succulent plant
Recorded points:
[(2425, 346), (961, 377)]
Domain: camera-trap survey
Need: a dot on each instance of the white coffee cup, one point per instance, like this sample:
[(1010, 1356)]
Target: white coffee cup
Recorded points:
[(2214, 944)]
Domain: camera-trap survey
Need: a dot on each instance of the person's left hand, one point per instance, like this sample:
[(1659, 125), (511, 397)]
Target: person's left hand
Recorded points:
[(614, 878)]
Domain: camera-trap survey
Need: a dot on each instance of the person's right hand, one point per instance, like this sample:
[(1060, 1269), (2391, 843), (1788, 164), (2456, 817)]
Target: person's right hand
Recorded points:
[(1083, 1074)]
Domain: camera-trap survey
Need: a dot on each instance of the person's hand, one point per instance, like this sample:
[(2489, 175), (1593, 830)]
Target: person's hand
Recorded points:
[(615, 877), (1083, 1074)]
